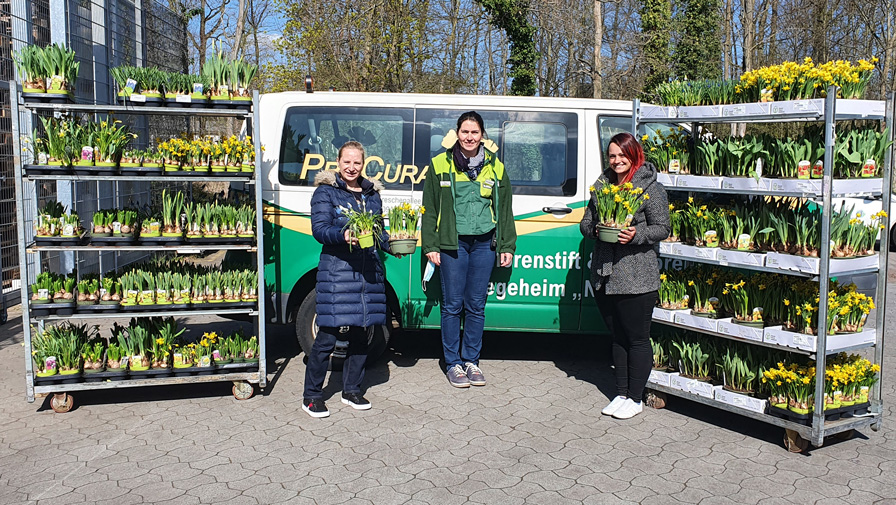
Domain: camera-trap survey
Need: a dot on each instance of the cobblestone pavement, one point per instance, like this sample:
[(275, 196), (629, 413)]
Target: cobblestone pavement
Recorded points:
[(533, 435)]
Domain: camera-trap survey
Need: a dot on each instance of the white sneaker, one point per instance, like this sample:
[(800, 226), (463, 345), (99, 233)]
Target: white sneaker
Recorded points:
[(614, 405), (628, 410)]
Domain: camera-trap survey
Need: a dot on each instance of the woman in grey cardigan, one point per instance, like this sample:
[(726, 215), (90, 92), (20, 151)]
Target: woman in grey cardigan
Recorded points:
[(626, 274)]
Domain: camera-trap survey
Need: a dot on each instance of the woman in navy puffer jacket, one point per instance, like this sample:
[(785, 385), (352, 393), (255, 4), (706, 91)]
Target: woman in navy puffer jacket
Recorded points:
[(351, 289)]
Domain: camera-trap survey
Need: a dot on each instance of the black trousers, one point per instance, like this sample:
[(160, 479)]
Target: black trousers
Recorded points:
[(352, 367), (628, 317)]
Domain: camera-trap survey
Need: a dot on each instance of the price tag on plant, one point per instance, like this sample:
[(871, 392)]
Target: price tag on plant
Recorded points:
[(183, 99), (138, 98)]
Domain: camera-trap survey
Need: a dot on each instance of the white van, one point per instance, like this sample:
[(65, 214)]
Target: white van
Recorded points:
[(552, 149)]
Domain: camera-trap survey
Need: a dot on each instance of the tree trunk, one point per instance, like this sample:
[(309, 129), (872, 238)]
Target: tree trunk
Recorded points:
[(239, 35)]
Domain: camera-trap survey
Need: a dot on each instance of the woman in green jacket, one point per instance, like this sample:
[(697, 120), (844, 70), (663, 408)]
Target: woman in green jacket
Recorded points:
[(467, 228)]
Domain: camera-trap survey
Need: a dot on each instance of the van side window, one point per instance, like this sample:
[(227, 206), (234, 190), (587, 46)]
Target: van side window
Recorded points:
[(312, 137), (538, 149)]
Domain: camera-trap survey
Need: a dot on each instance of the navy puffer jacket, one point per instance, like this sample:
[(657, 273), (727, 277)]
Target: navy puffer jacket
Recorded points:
[(351, 288)]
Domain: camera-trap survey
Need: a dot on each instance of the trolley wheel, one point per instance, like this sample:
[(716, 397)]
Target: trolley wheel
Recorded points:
[(62, 402), (793, 442), (656, 399), (845, 435), (4, 317), (243, 390)]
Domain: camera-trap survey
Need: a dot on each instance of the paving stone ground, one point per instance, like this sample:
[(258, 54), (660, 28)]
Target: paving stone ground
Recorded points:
[(533, 435)]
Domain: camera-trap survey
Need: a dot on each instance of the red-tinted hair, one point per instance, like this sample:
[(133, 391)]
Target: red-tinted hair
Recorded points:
[(632, 150)]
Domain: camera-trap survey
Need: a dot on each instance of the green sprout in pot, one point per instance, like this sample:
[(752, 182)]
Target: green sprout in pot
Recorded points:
[(245, 74), (215, 281), (217, 69), (141, 345), (192, 217), (199, 289), (92, 353), (70, 340), (227, 222), (148, 288), (119, 349), (245, 221), (251, 352), (61, 68), (44, 352), (180, 288), (110, 294), (200, 85), (211, 227), (131, 158), (172, 207), (65, 290), (49, 219), (126, 77), (30, 64), (124, 223), (89, 291), (42, 289), (129, 288), (151, 82), (175, 84), (249, 289), (102, 223)]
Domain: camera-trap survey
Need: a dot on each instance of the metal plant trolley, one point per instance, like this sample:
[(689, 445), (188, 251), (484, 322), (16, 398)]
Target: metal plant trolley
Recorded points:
[(62, 400), (829, 110)]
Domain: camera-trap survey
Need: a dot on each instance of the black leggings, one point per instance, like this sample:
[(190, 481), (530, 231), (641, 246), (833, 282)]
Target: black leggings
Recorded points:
[(628, 318)]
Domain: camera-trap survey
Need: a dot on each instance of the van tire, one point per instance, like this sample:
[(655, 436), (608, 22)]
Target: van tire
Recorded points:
[(306, 332), (893, 236)]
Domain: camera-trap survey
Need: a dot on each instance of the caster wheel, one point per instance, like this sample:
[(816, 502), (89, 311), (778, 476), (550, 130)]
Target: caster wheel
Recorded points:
[(62, 402), (243, 390), (655, 400), (845, 435), (793, 442)]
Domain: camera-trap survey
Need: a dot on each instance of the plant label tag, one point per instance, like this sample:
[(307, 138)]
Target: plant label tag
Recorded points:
[(802, 169), (130, 85), (116, 227), (86, 153), (68, 231), (197, 88), (674, 166), (124, 362), (818, 170), (869, 168), (155, 227), (50, 363), (183, 99), (178, 359), (743, 242), (42, 158), (205, 361), (43, 294), (216, 355), (138, 98)]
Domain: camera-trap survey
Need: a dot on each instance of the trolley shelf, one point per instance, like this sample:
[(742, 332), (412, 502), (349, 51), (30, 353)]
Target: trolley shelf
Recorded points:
[(830, 427), (252, 377), (140, 178), (150, 313), (791, 110), (141, 110), (180, 249), (770, 345)]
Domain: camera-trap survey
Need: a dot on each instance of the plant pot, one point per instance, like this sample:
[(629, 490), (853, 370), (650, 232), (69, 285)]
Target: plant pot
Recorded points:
[(403, 246), (608, 234), (752, 324), (365, 240)]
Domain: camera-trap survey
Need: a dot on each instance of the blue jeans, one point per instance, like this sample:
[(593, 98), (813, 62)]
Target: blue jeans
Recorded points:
[(352, 368), (465, 274)]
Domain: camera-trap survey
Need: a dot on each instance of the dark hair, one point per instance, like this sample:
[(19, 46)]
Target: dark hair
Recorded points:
[(471, 116), (632, 150), (351, 144)]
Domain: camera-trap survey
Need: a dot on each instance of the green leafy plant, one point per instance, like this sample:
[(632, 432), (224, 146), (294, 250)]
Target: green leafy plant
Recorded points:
[(61, 68), (31, 66)]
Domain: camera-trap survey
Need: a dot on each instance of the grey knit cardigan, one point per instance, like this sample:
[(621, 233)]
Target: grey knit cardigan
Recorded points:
[(632, 268)]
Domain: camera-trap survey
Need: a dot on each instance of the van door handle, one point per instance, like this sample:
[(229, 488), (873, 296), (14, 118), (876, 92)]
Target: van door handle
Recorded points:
[(555, 210)]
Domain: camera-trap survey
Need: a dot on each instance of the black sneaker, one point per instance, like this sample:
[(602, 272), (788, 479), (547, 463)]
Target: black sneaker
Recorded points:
[(355, 401), (315, 407)]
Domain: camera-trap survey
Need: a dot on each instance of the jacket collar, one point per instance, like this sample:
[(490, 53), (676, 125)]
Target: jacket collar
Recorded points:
[(332, 178)]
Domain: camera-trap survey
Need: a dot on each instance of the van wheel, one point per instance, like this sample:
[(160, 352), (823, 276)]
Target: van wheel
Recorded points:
[(893, 237), (306, 331)]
